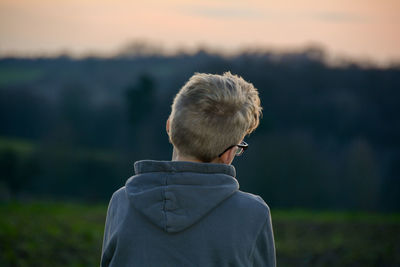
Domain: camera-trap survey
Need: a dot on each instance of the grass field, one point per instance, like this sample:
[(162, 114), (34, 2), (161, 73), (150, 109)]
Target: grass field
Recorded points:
[(70, 234)]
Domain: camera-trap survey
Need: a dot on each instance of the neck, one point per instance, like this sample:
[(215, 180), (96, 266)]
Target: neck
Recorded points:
[(176, 156)]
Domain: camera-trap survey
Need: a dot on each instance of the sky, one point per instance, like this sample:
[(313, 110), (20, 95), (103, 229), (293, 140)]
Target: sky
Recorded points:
[(367, 29)]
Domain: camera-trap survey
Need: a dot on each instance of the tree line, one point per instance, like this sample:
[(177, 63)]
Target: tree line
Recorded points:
[(328, 139)]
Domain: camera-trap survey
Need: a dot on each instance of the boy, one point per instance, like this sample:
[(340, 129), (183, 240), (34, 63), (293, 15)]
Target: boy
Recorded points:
[(190, 211)]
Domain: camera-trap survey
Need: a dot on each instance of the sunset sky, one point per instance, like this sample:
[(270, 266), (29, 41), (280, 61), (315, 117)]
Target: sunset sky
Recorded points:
[(356, 28)]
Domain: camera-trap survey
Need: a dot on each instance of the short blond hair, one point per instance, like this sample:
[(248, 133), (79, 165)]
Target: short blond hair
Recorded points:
[(212, 112)]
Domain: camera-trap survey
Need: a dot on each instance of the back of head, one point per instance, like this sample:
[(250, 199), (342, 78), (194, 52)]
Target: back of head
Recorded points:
[(211, 113)]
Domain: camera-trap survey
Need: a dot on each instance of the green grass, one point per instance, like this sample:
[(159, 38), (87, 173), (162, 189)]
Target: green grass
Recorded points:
[(306, 238), (16, 75), (24, 148), (51, 234), (299, 215), (20, 146), (70, 234)]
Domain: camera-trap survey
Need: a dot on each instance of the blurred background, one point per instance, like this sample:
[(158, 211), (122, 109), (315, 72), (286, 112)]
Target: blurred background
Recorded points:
[(86, 88)]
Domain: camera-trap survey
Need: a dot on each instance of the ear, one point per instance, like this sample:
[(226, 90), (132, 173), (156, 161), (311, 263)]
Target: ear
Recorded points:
[(167, 126), (228, 156)]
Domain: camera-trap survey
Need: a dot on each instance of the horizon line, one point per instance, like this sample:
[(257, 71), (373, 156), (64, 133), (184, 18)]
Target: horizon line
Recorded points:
[(145, 48)]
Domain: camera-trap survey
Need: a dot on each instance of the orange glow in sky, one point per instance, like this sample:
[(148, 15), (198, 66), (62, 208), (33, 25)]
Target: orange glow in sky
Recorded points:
[(357, 28)]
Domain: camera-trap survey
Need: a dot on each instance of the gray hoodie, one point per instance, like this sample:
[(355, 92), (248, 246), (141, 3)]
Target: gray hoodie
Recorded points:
[(174, 213)]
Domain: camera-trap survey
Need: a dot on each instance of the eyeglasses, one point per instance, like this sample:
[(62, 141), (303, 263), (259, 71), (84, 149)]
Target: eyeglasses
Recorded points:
[(239, 150)]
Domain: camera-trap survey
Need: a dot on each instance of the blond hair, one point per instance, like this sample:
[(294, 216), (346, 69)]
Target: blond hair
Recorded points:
[(211, 113)]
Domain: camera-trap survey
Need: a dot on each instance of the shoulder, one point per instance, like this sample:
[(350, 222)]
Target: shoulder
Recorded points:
[(119, 195), (252, 200), (250, 205), (118, 202)]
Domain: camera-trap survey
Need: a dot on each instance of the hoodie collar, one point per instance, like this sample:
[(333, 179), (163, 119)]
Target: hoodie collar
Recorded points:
[(175, 195), (145, 166)]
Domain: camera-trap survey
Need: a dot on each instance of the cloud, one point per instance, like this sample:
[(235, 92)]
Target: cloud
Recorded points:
[(336, 17), (224, 12), (245, 12)]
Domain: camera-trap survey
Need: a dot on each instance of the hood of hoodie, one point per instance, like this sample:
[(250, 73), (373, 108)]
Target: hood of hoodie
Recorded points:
[(175, 194)]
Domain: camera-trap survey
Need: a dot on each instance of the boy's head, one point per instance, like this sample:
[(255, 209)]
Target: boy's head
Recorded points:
[(211, 113)]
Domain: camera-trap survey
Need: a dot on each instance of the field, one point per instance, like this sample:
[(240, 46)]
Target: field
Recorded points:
[(70, 234)]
